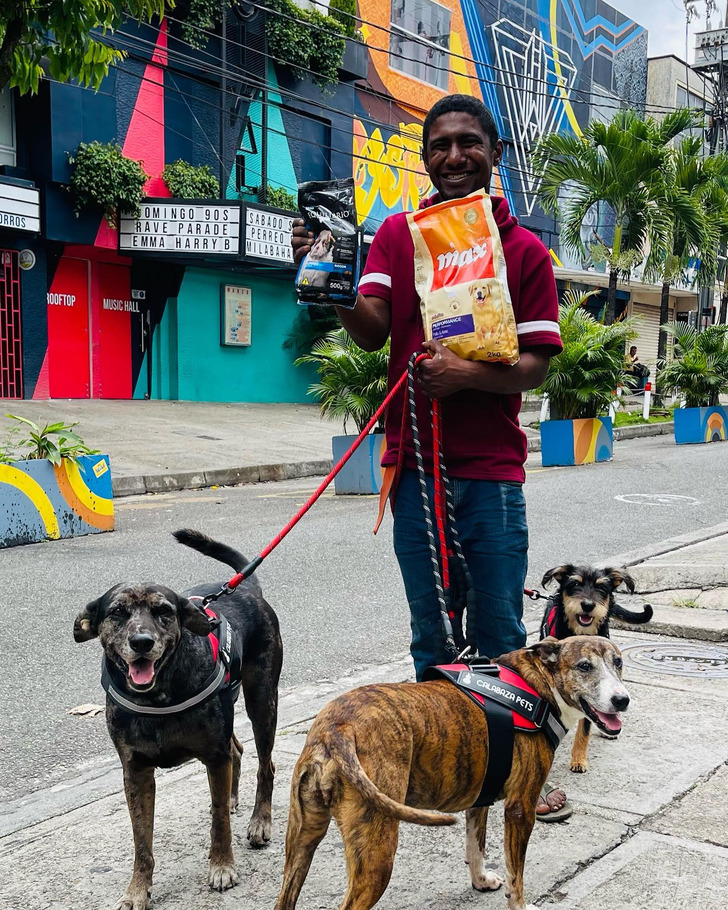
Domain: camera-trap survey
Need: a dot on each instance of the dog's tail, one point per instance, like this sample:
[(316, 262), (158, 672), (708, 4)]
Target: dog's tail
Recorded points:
[(623, 615), (209, 547), (342, 750)]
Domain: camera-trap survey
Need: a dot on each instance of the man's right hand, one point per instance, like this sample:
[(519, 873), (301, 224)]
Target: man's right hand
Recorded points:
[(301, 240)]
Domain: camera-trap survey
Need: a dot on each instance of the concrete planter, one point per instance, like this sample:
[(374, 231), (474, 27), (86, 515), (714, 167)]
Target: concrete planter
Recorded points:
[(363, 471), (41, 501), (354, 62), (693, 425), (567, 442)]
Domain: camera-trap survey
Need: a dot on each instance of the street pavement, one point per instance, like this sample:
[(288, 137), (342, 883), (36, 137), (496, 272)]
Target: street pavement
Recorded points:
[(649, 827)]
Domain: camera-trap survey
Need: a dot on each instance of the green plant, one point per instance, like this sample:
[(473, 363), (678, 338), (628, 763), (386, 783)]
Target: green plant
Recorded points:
[(581, 380), (689, 602), (53, 442), (280, 198), (185, 181), (310, 325), (305, 41), (199, 16), (353, 382), (103, 177), (699, 371), (621, 163), (64, 40), (344, 11)]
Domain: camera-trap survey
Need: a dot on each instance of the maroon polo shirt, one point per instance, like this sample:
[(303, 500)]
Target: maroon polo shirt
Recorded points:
[(482, 438)]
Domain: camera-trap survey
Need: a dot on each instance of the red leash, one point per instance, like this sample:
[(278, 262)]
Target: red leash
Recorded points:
[(246, 572)]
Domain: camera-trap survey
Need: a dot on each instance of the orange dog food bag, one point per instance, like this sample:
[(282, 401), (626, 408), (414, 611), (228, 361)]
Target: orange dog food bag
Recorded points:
[(460, 276)]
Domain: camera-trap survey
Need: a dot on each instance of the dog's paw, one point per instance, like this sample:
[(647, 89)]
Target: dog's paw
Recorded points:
[(223, 876), (233, 805), (138, 900), (487, 881), (259, 831), (579, 767)]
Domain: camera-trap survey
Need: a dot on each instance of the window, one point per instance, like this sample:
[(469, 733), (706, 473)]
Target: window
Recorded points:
[(7, 129), (420, 40)]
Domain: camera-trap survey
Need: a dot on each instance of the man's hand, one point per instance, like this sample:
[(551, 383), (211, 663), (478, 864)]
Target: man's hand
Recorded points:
[(301, 240), (444, 372)]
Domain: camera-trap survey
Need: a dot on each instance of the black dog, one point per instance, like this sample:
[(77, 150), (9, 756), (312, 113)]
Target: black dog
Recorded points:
[(583, 605), (171, 686)]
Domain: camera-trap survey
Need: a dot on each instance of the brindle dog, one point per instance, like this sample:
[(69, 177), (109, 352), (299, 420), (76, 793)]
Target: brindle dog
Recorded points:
[(156, 642), (381, 754), (583, 605)]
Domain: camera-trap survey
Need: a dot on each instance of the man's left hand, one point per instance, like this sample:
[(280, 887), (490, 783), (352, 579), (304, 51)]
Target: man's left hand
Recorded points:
[(444, 373)]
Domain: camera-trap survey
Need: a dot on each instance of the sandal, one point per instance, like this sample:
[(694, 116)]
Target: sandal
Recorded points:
[(555, 815)]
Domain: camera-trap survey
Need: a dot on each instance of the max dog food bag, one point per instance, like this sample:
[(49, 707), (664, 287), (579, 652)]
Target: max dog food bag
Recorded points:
[(460, 276), (329, 272)]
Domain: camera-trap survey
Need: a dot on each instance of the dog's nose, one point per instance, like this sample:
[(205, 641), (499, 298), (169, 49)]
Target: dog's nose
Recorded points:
[(141, 642), (587, 605), (620, 702)]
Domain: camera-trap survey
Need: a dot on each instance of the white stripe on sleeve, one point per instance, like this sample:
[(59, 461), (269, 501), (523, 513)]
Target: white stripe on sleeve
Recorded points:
[(538, 325), (376, 278)]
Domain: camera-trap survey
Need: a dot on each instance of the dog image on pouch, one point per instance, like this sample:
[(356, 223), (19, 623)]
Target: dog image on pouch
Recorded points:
[(321, 251), (172, 673), (383, 754)]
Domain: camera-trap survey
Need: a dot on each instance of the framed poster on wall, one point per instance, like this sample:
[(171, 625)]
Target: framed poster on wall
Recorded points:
[(235, 315)]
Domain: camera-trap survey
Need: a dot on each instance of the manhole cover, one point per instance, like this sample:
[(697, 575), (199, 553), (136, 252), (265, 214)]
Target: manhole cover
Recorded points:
[(680, 659)]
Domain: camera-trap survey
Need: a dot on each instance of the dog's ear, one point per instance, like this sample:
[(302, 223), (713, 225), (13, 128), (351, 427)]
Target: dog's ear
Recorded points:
[(194, 618), (559, 573), (86, 624), (620, 577), (547, 650)]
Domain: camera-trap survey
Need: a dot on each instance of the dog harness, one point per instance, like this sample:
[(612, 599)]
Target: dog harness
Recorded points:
[(509, 704), (548, 627), (225, 677)]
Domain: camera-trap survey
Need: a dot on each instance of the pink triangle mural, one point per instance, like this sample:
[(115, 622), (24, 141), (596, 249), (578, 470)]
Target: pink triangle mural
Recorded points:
[(145, 137)]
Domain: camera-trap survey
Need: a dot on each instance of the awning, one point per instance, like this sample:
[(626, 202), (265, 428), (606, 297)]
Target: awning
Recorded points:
[(634, 286)]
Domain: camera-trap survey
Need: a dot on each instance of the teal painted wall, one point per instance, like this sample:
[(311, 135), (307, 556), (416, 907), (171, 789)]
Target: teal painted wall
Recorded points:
[(190, 364)]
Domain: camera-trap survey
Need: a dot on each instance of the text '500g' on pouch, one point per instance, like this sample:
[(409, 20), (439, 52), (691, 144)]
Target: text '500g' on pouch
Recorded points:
[(460, 275), (329, 272)]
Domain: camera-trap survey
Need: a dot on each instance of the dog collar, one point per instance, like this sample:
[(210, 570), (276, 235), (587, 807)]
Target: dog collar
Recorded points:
[(225, 675)]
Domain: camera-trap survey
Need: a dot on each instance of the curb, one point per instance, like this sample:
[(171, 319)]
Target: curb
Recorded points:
[(634, 557), (138, 484)]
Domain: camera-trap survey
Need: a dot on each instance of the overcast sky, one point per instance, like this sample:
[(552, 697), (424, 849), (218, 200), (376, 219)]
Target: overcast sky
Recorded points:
[(665, 23)]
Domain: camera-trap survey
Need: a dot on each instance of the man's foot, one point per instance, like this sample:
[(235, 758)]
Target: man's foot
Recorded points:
[(552, 805)]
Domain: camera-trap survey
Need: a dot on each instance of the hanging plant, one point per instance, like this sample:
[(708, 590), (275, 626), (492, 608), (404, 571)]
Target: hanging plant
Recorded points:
[(105, 178), (185, 181), (280, 198), (305, 41), (344, 11)]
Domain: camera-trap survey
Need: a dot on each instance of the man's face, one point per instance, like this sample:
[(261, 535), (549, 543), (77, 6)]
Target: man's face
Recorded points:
[(459, 157)]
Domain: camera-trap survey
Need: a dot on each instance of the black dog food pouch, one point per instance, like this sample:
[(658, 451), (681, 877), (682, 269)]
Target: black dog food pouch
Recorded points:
[(329, 273)]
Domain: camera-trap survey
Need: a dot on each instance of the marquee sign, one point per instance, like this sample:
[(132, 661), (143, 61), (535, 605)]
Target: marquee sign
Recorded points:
[(268, 235), (182, 227), (19, 207)]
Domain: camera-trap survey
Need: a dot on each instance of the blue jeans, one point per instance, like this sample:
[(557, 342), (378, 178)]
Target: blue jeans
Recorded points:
[(491, 524)]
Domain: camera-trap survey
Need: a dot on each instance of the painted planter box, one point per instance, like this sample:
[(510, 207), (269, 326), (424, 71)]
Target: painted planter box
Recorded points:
[(362, 473), (41, 501), (566, 442), (700, 425)]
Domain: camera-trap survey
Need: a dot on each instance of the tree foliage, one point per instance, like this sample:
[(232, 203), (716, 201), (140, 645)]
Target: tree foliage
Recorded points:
[(185, 181), (70, 40), (699, 371), (305, 41), (582, 379), (353, 382)]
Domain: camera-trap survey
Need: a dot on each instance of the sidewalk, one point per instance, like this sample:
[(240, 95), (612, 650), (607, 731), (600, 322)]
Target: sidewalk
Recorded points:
[(156, 446), (649, 827)]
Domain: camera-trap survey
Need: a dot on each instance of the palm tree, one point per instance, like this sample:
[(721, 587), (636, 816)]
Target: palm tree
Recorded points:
[(581, 380), (620, 163), (699, 372), (696, 209)]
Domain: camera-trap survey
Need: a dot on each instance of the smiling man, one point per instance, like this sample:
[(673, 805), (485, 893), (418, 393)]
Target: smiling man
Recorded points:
[(484, 446)]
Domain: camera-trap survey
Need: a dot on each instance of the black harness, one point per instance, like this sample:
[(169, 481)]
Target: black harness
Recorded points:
[(224, 679), (509, 704)]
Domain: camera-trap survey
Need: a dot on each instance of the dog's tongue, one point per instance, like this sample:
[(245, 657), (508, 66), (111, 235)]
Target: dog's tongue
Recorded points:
[(612, 722), (584, 619), (141, 671)]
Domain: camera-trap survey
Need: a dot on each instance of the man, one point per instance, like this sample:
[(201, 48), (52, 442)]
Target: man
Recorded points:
[(484, 447)]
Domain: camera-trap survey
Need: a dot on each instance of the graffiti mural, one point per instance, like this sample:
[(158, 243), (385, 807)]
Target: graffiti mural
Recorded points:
[(539, 65)]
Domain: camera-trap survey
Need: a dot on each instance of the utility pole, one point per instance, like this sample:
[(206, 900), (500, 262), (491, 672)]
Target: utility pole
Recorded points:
[(711, 62)]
